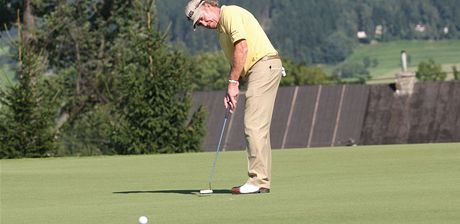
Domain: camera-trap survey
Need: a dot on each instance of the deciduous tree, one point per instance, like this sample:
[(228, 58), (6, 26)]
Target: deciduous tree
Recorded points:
[(430, 71)]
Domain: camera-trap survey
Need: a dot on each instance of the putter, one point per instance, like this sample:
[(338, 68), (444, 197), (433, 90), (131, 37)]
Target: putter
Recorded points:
[(209, 190)]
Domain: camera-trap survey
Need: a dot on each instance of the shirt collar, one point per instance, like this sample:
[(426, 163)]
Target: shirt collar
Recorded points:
[(220, 28)]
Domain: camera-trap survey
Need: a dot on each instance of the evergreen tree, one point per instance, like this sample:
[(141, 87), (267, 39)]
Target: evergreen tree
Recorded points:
[(26, 126), (93, 48), (77, 37), (155, 84)]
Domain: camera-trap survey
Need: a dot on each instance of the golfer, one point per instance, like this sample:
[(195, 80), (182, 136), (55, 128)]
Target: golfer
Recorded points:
[(253, 58)]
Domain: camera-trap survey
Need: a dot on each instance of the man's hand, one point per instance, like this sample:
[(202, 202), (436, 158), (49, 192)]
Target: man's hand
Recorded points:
[(231, 98), (239, 58)]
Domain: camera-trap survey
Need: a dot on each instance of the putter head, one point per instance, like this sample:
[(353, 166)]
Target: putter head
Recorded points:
[(206, 191)]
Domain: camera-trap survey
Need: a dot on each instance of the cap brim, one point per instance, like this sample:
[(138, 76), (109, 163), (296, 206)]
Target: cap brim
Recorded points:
[(194, 25), (195, 17)]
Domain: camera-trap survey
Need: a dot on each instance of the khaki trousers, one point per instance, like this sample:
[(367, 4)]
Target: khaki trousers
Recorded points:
[(263, 80)]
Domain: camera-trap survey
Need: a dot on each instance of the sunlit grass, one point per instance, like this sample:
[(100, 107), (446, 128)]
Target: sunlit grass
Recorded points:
[(364, 184)]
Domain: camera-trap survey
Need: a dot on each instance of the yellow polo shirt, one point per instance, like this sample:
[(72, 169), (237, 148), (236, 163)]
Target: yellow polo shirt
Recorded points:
[(236, 24)]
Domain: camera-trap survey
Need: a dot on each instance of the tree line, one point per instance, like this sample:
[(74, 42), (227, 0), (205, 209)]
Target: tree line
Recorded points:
[(96, 77), (306, 32), (325, 31)]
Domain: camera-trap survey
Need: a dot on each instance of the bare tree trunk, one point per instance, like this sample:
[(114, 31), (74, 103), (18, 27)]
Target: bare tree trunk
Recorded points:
[(79, 78), (29, 23)]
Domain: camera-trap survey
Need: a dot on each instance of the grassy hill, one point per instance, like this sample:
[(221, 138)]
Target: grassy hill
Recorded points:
[(446, 52), (364, 184)]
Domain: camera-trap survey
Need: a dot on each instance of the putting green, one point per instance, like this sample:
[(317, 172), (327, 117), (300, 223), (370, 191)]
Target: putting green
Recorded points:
[(366, 184)]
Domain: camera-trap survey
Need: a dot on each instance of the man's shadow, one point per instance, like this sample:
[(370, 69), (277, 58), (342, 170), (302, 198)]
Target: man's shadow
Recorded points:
[(186, 192)]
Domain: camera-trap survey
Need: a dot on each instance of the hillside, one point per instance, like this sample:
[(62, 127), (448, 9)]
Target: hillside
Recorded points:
[(304, 30), (444, 52)]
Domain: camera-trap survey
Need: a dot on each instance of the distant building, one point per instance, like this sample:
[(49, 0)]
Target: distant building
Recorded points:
[(379, 30), (446, 30), (361, 35), (420, 27)]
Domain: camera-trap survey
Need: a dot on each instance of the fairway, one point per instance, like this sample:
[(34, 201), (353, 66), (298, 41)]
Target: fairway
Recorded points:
[(365, 184)]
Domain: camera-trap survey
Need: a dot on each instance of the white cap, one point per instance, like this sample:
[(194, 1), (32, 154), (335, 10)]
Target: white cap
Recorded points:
[(193, 11)]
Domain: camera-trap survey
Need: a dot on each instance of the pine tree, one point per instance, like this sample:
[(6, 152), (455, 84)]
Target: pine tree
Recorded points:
[(78, 38), (26, 129), (155, 84)]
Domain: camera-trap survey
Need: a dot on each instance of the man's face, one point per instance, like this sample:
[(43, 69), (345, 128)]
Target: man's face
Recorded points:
[(209, 18)]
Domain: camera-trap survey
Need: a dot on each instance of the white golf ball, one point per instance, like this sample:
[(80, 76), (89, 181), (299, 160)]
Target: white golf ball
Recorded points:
[(143, 220)]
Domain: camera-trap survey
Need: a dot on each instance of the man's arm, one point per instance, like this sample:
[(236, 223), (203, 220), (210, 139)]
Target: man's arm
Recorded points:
[(239, 58)]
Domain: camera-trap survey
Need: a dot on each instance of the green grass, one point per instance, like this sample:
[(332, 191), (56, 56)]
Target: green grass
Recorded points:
[(366, 184), (446, 52)]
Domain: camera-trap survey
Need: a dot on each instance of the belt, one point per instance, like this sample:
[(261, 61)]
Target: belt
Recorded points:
[(270, 57), (266, 58)]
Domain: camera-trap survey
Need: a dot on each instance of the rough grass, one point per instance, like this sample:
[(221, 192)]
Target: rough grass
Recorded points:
[(366, 184)]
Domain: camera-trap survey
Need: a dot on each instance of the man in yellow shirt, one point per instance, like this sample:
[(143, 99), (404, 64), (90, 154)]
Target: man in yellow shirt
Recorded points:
[(252, 57)]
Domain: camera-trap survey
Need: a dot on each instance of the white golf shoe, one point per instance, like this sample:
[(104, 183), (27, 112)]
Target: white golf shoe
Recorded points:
[(249, 189)]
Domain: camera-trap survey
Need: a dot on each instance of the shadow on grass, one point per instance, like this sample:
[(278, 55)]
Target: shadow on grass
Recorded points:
[(186, 192)]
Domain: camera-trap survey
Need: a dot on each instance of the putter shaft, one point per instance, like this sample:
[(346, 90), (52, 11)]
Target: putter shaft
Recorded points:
[(217, 151)]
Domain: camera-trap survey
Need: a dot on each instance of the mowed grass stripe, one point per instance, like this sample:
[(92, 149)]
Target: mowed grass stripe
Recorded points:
[(366, 184)]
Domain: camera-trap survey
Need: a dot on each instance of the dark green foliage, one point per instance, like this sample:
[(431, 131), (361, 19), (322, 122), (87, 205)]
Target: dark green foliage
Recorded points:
[(456, 73), (302, 74), (336, 48), (352, 70), (89, 134), (154, 84), (303, 29), (8, 11), (375, 62), (194, 132), (367, 62), (26, 120), (430, 71), (77, 37), (372, 62), (115, 85), (210, 71)]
